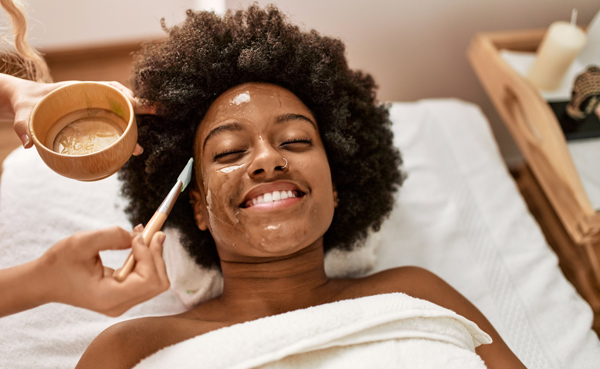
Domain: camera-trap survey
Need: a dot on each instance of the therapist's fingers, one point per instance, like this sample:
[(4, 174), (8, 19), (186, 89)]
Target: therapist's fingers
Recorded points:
[(148, 278), (138, 150), (149, 262), (156, 249), (108, 272), (20, 127), (112, 297), (123, 89), (150, 267), (144, 107), (140, 106), (114, 238)]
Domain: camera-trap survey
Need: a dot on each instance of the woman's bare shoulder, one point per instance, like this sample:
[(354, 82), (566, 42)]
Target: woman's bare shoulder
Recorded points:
[(125, 344), (411, 280), (416, 282)]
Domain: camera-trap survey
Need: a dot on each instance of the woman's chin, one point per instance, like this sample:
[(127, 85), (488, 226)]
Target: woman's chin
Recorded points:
[(278, 249)]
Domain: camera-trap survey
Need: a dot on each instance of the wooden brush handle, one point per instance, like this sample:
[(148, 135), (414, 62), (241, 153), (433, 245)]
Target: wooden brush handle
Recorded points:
[(153, 226)]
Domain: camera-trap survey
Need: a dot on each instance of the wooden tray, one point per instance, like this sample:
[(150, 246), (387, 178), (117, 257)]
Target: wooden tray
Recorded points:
[(537, 132)]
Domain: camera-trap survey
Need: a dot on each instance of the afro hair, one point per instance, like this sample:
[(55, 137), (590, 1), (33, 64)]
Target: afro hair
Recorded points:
[(208, 54)]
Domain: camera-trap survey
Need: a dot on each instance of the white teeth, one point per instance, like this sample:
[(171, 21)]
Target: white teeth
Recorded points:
[(272, 196), (268, 197)]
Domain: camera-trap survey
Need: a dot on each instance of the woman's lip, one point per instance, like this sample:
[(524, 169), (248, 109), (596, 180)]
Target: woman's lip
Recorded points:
[(269, 188)]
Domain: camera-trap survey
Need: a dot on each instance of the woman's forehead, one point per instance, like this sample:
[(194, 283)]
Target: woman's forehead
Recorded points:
[(254, 103), (254, 88), (252, 97)]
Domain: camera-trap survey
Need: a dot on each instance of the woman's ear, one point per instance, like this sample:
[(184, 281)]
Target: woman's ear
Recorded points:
[(200, 215), (335, 198)]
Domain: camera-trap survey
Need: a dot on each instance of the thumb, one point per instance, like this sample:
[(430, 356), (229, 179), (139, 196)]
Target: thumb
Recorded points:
[(20, 126)]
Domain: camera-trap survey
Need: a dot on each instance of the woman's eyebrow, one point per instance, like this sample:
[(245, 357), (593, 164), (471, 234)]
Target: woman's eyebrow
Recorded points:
[(235, 127), (292, 116)]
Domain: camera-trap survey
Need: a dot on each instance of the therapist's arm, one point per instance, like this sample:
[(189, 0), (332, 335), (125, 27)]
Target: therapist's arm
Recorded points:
[(71, 272)]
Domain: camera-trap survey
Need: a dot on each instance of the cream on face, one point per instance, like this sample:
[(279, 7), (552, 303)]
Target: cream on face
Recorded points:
[(241, 98), (231, 168), (261, 159)]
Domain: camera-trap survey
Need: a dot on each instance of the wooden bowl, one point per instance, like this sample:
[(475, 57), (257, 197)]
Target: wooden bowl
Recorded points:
[(106, 115)]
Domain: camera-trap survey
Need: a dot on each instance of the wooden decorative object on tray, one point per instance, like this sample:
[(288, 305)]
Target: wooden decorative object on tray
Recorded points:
[(537, 132)]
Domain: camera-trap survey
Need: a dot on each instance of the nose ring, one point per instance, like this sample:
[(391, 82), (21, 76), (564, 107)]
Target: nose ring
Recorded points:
[(286, 164)]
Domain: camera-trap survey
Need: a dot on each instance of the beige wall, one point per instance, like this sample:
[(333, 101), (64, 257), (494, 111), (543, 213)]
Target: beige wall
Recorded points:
[(414, 49), (417, 49), (73, 23)]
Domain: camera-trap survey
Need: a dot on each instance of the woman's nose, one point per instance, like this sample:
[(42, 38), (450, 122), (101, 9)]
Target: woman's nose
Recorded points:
[(267, 161)]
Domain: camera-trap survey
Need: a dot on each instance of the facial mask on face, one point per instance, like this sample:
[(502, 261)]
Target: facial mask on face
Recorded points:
[(230, 169), (241, 98)]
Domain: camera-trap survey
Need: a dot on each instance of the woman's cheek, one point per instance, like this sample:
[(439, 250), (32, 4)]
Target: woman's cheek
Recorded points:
[(223, 188)]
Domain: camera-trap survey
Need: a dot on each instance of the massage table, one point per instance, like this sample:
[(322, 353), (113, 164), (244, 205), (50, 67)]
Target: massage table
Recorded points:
[(458, 214)]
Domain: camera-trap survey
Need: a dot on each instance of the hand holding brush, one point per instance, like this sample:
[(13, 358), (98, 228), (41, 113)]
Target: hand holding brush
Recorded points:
[(159, 217)]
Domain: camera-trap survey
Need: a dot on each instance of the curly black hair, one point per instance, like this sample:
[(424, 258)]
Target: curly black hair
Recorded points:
[(208, 54)]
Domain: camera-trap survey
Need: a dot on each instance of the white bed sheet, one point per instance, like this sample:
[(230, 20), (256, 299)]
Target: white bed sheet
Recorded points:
[(458, 214)]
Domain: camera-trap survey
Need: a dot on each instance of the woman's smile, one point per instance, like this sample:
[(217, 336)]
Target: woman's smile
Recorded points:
[(272, 196)]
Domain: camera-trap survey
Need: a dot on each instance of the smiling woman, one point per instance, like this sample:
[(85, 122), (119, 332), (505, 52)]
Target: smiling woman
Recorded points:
[(208, 55), (250, 153), (294, 157)]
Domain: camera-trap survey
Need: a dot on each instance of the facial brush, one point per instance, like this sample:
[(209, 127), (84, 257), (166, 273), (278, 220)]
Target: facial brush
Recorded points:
[(159, 217)]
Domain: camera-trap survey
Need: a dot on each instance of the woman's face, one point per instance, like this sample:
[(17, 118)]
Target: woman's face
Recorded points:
[(265, 187)]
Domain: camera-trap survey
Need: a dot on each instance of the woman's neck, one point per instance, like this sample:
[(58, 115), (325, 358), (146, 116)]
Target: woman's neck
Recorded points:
[(276, 286)]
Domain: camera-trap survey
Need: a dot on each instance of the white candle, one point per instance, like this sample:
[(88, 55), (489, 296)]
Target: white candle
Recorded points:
[(561, 44)]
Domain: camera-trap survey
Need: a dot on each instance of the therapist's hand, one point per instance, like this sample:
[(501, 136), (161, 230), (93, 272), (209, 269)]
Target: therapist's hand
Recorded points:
[(22, 95), (73, 273)]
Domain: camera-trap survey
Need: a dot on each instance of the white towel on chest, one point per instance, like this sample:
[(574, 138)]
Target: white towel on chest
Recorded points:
[(382, 331)]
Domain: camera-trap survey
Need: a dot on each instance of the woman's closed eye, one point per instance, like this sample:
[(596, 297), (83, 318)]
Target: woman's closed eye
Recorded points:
[(297, 143), (228, 155), (291, 144)]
